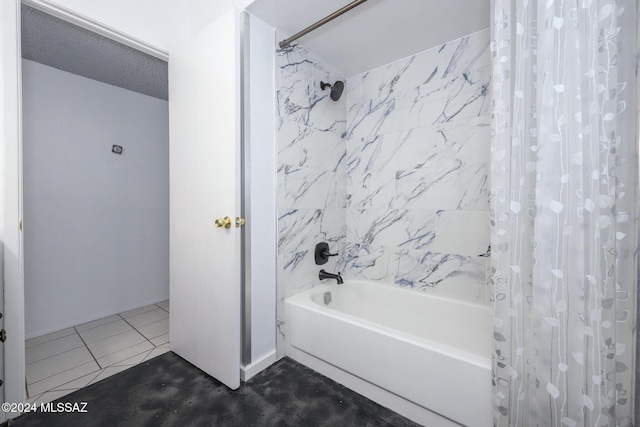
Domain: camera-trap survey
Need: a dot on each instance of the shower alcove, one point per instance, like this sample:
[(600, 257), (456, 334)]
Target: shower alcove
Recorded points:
[(392, 174)]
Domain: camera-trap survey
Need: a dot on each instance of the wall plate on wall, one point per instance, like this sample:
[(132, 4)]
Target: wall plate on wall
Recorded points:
[(116, 149)]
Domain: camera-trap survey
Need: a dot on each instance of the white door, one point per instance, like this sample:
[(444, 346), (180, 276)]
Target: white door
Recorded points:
[(204, 121)]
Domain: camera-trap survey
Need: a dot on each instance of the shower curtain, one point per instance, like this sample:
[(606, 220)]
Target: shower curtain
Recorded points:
[(563, 211)]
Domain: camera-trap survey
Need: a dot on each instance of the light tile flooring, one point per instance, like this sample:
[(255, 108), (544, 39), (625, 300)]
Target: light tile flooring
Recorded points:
[(65, 361)]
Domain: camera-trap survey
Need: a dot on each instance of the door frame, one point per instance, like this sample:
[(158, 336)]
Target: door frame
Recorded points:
[(12, 270), (11, 199)]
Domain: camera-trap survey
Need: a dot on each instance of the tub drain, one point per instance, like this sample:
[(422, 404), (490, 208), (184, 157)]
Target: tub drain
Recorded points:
[(327, 298)]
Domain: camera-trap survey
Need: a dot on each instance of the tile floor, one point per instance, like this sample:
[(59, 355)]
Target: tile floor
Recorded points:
[(65, 361)]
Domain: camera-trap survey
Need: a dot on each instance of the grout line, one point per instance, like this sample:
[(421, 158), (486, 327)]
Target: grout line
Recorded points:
[(108, 334), (93, 327), (57, 388), (128, 365), (56, 372), (137, 314), (49, 340), (128, 357), (62, 372), (88, 349), (162, 308), (37, 397), (54, 355), (143, 335), (136, 329), (101, 369), (124, 348)]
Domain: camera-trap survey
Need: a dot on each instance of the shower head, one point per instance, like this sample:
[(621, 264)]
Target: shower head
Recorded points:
[(336, 89)]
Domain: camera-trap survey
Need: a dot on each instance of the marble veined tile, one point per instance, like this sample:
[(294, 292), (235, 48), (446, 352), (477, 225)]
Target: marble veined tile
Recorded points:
[(328, 115), (341, 185), (299, 95), (426, 146), (302, 145), (359, 155), (420, 147), (457, 99), (454, 57), (433, 146), (448, 187), (297, 272), (293, 59), (298, 230), (291, 136), (469, 52), (371, 190), (296, 60), (370, 155), (411, 229), (368, 262), (470, 98), (462, 232), (470, 141), (368, 173), (324, 150), (295, 102), (423, 270), (294, 99), (368, 118), (333, 227), (281, 202), (307, 188)]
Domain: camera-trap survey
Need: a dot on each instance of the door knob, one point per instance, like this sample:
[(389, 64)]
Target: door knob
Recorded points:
[(223, 222), (240, 222)]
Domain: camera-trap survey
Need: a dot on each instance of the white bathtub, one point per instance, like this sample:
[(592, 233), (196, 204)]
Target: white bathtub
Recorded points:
[(427, 358)]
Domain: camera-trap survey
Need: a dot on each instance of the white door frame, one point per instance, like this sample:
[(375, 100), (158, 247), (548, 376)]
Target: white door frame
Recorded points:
[(13, 388), (96, 27), (13, 350)]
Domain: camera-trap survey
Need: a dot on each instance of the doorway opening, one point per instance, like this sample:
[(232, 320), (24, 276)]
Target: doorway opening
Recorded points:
[(96, 205)]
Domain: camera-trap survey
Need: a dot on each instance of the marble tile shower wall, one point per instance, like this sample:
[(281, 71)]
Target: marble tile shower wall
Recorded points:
[(417, 140), (393, 175), (311, 171)]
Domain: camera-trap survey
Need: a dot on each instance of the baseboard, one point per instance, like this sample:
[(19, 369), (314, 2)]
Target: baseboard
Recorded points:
[(86, 319), (249, 371)]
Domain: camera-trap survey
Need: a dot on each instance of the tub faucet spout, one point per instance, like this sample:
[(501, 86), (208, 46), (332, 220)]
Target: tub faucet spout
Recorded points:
[(324, 275)]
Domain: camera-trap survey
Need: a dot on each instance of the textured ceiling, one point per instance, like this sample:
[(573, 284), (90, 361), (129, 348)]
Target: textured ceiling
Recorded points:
[(62, 45), (376, 32)]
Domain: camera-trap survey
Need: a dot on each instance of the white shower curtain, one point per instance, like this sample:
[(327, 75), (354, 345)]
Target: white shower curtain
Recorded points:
[(563, 202)]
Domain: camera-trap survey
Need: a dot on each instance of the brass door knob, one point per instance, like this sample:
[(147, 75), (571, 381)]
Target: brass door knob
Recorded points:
[(223, 222), (240, 222)]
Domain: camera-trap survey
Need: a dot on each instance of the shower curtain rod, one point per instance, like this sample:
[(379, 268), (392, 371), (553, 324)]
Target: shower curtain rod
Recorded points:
[(284, 43)]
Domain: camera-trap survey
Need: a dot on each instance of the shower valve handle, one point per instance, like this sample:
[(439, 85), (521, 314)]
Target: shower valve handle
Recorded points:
[(326, 253), (322, 253)]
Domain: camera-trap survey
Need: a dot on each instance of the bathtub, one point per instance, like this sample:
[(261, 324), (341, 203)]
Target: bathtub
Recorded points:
[(427, 358)]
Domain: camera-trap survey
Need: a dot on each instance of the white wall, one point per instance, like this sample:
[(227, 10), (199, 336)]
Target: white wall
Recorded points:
[(160, 23), (203, 12), (95, 223)]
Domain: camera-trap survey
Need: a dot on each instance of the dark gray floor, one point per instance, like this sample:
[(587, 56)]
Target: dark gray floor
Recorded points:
[(168, 391)]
